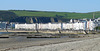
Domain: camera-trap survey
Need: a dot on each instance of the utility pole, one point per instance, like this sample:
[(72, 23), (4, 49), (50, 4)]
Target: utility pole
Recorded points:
[(93, 15)]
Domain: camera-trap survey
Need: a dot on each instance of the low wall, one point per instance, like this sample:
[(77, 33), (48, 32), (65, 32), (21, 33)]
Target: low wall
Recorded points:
[(66, 31), (51, 31)]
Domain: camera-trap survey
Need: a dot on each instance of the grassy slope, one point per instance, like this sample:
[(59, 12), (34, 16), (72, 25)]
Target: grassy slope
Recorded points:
[(44, 14), (65, 15)]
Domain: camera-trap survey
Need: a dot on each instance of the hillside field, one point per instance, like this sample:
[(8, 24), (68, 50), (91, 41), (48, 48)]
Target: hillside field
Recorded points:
[(26, 15)]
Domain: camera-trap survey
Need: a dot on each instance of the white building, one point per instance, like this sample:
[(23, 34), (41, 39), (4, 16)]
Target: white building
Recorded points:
[(91, 24), (79, 25), (55, 26), (25, 26), (67, 25), (43, 26)]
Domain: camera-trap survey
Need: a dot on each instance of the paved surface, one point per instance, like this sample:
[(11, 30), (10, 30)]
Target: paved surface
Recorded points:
[(82, 45), (21, 42)]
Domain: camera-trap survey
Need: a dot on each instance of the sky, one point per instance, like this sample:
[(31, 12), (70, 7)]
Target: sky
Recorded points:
[(82, 6)]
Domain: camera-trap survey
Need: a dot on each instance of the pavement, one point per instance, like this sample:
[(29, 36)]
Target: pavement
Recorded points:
[(81, 45), (21, 43)]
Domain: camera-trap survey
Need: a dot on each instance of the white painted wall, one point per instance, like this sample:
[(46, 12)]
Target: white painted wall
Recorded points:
[(78, 26), (53, 26), (24, 26)]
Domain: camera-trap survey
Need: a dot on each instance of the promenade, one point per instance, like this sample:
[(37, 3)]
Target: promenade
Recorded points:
[(90, 44), (21, 43)]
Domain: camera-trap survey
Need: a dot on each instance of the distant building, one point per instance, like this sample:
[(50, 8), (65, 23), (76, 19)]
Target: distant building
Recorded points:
[(25, 26), (3, 25), (98, 20), (74, 24), (6, 25), (91, 24)]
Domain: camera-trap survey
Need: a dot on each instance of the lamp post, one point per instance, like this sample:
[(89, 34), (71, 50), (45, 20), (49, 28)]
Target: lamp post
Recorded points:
[(59, 30), (6, 27)]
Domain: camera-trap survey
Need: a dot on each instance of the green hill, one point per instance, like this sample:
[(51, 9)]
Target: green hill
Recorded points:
[(66, 15), (30, 16)]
